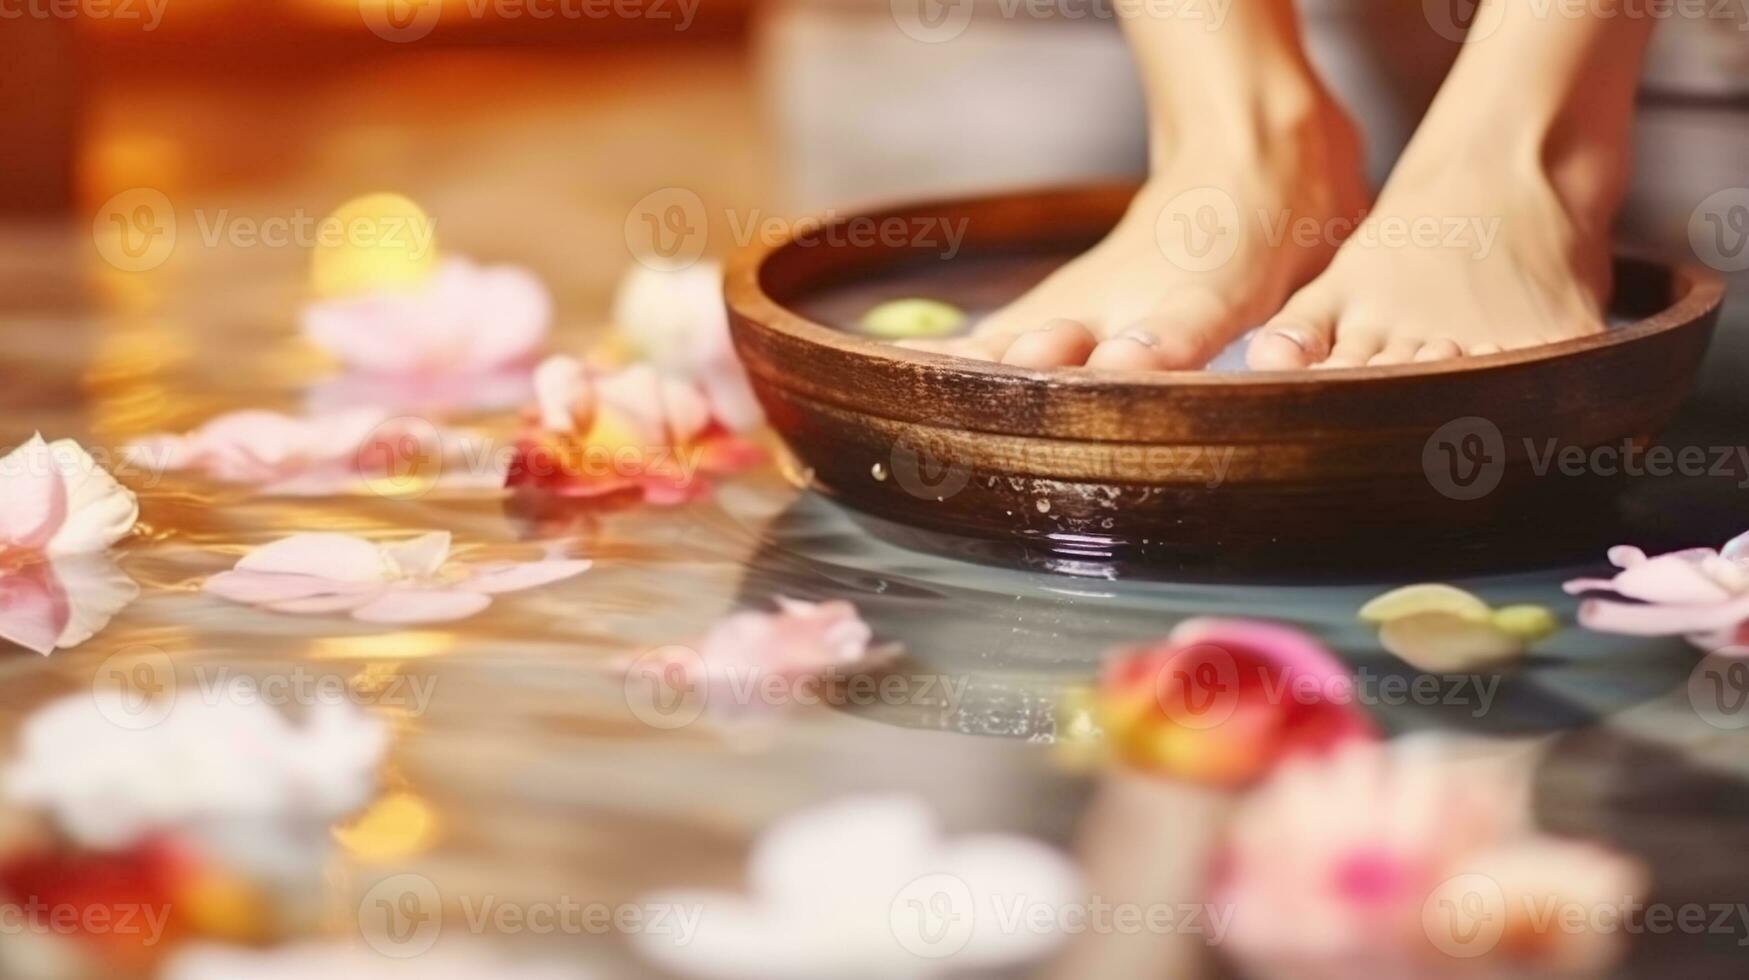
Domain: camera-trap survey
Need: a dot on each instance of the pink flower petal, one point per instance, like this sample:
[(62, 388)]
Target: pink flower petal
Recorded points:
[(512, 311), (1670, 578), (33, 608), (33, 496), (422, 606), (465, 319), (494, 578), (686, 412), (1578, 585), (563, 393), (1661, 620), (1736, 549), (96, 590), (336, 557), (635, 392), (1626, 556)]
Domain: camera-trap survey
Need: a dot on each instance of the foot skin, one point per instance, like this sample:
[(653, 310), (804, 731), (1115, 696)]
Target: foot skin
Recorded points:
[(1210, 247), (1461, 261)]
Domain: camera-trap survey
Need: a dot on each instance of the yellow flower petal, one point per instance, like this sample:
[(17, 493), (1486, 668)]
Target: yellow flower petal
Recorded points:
[(1428, 597)]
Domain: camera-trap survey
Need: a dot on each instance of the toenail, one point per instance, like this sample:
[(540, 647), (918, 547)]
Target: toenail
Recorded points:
[(1293, 337), (1145, 339)]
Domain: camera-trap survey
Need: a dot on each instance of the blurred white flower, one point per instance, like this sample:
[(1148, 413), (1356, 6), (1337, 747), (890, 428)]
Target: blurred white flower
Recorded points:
[(677, 321), (340, 961), (216, 761), (866, 888)]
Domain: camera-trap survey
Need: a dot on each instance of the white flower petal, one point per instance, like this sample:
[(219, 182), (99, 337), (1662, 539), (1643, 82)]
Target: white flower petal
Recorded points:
[(100, 511), (326, 555), (419, 557)]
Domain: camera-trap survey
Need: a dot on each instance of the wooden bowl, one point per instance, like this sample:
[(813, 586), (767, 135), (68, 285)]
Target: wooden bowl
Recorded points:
[(1360, 470)]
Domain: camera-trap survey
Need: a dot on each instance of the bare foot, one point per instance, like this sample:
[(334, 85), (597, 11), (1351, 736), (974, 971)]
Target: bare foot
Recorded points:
[(1465, 260), (1248, 149), (1211, 246), (1493, 233)]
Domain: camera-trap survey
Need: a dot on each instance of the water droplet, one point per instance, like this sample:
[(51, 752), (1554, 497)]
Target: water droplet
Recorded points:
[(878, 471), (1044, 506)]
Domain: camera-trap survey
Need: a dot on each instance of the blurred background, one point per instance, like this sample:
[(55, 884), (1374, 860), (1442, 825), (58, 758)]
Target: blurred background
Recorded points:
[(534, 126), (139, 134)]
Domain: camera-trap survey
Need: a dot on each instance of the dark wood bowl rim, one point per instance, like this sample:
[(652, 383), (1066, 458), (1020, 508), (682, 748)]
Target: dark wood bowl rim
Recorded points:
[(1699, 292)]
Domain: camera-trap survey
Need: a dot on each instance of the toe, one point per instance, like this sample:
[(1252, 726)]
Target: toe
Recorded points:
[(1355, 346), (1062, 343), (1481, 350), (1125, 354), (1399, 351), (1298, 337), (1438, 350), (1189, 329)]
